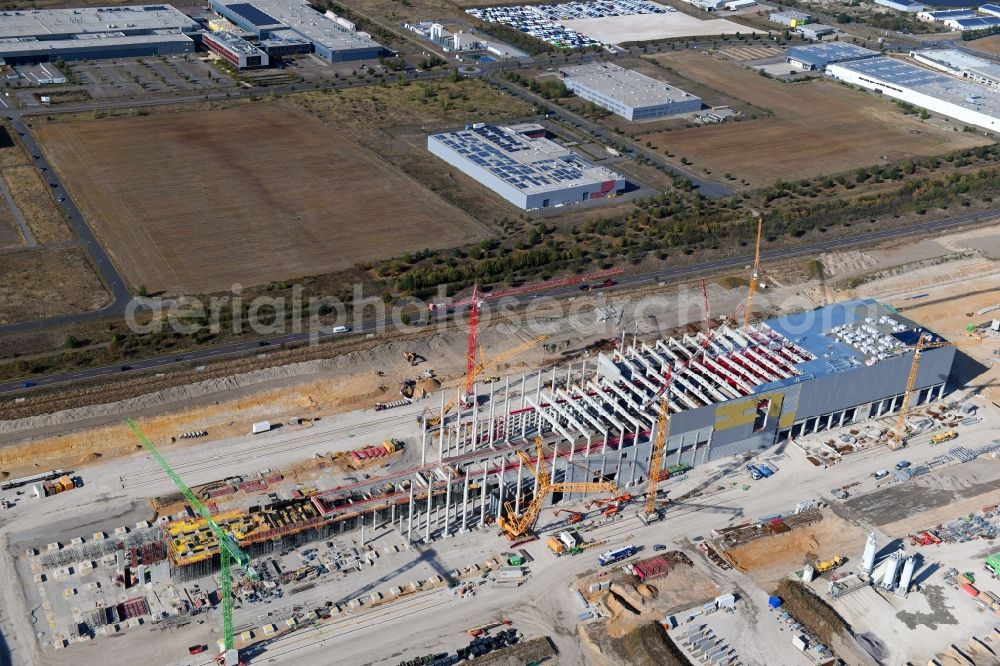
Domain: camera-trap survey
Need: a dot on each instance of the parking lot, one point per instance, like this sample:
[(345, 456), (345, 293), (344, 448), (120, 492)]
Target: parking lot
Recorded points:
[(543, 21)]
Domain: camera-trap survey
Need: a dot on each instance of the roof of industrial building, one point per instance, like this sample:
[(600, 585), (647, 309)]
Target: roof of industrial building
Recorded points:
[(960, 61), (790, 14), (823, 54), (740, 362), (977, 22), (625, 85), (942, 14), (46, 23), (10, 48), (234, 43), (302, 18), (906, 75), (989, 8), (530, 165), (848, 334)]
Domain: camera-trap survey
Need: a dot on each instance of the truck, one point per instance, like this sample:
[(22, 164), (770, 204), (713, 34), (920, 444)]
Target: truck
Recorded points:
[(765, 470), (943, 436), (823, 567), (616, 555), (753, 472)]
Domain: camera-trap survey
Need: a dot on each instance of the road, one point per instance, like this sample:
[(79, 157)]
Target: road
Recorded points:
[(112, 279), (680, 272)]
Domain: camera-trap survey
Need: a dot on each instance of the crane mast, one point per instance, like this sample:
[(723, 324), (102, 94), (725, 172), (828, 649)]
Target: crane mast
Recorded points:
[(754, 275), (229, 550)]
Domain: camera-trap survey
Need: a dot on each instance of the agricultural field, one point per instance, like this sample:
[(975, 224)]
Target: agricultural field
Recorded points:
[(814, 127), (989, 45), (46, 282), (200, 200), (394, 121)]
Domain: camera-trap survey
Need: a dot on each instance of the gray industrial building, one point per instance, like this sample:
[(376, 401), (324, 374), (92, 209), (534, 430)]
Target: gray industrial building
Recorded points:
[(94, 32), (278, 22), (629, 94), (818, 56), (525, 168), (735, 391)]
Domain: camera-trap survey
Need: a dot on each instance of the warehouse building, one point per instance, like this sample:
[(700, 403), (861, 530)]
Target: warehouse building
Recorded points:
[(818, 56), (235, 50), (94, 33), (973, 23), (524, 167), (990, 10), (790, 18), (631, 95), (815, 31), (967, 102), (908, 6), (290, 22), (941, 15), (958, 63)]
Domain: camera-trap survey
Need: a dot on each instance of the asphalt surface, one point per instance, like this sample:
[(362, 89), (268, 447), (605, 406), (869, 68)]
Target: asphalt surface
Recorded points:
[(261, 345)]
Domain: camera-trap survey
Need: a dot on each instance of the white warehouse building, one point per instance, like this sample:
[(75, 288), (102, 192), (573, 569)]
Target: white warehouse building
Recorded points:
[(525, 168), (631, 95), (940, 93)]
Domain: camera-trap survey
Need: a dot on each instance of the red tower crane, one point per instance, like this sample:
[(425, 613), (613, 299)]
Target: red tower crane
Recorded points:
[(476, 299)]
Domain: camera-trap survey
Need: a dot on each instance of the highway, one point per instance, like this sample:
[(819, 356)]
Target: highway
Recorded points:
[(680, 272)]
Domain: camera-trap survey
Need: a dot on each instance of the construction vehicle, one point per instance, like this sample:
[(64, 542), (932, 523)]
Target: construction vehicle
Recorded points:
[(574, 516), (483, 628), (229, 551), (754, 274), (945, 436), (827, 565), (517, 526)]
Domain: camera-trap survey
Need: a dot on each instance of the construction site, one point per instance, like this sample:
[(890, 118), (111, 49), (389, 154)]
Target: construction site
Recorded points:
[(630, 491)]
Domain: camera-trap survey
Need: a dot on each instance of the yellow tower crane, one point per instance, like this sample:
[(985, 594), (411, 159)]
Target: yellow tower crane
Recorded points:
[(656, 459), (897, 437), (516, 526), (754, 275), (435, 419)]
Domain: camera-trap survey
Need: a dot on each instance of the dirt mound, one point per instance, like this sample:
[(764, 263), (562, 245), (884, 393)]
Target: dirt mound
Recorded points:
[(647, 591), (427, 386), (644, 645)]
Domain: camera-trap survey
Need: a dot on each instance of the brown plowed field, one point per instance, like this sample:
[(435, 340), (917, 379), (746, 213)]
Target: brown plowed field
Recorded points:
[(197, 201), (817, 127)]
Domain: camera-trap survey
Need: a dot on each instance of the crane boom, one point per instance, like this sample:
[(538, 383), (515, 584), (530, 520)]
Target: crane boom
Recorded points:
[(516, 526), (229, 550)]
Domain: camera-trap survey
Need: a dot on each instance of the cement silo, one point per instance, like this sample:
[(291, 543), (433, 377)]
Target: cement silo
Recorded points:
[(868, 560), (907, 576)]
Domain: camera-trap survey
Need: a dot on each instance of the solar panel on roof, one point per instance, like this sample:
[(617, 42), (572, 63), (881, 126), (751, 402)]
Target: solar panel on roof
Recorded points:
[(252, 14)]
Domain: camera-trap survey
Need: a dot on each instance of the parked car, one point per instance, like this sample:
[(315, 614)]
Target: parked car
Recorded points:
[(881, 474), (659, 547), (902, 464)]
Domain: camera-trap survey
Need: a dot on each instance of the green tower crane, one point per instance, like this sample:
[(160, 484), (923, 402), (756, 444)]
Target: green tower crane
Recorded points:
[(229, 550)]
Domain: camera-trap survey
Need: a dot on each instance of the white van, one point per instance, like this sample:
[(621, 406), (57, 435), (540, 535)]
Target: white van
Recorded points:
[(881, 474), (340, 329)]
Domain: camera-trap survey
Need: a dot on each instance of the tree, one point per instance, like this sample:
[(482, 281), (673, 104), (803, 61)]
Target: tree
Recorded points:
[(453, 76)]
